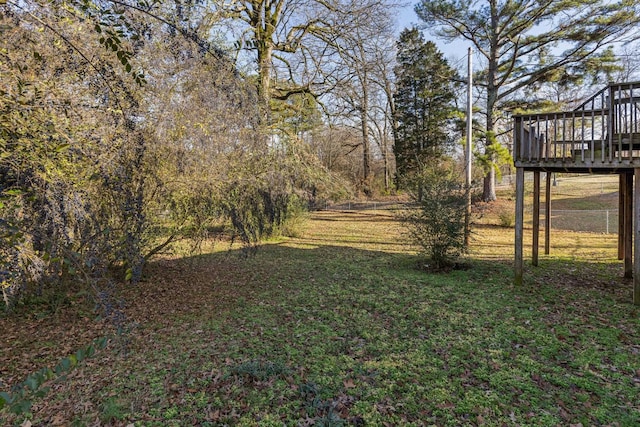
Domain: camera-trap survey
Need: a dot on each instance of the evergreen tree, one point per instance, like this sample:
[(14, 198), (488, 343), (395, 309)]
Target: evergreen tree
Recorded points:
[(424, 104)]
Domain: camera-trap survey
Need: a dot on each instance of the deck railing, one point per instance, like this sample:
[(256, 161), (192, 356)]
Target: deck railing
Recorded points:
[(603, 130)]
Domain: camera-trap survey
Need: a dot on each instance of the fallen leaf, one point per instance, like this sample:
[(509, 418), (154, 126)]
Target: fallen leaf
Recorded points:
[(349, 383), (445, 405), (58, 420)]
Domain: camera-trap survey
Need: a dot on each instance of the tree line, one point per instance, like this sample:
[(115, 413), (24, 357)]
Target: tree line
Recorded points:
[(126, 126)]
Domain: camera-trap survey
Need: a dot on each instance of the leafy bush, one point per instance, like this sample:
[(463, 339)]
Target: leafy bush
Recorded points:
[(296, 218), (90, 189), (256, 200), (98, 174), (436, 224), (72, 174), (506, 217)]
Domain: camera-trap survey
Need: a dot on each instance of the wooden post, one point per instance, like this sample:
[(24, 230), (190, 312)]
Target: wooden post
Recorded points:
[(628, 225), (536, 218), (547, 215), (621, 211), (518, 264), (636, 251)]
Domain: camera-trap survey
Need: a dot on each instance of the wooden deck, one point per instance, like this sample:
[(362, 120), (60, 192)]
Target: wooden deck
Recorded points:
[(603, 133), (601, 136)]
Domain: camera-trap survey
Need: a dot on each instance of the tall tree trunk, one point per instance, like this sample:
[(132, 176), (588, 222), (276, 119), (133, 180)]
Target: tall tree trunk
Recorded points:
[(489, 184), (385, 157), (394, 134), (263, 21), (366, 149), (264, 86)]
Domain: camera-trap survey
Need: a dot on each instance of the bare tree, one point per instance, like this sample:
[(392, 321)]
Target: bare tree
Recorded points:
[(364, 95), (294, 45)]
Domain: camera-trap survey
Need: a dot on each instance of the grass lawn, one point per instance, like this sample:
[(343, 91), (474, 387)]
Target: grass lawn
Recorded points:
[(339, 327)]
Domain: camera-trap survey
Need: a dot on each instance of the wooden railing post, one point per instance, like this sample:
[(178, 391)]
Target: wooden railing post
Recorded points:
[(517, 138), (610, 122)]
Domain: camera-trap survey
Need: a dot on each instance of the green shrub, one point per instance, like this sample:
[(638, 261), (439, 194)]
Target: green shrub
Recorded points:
[(506, 217), (436, 223), (295, 220)]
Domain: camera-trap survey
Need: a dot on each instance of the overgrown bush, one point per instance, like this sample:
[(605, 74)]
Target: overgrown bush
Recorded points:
[(258, 195), (97, 173), (296, 219), (506, 217), (437, 222)]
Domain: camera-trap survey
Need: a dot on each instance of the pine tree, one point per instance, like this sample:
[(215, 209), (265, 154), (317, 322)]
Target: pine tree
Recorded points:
[(424, 104)]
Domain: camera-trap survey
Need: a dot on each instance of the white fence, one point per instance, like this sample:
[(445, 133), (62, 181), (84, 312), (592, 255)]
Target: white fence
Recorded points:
[(365, 205), (592, 221)]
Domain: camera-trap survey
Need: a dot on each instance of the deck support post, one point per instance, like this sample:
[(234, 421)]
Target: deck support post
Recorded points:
[(636, 234), (621, 211), (628, 225), (547, 215), (536, 218), (518, 264)]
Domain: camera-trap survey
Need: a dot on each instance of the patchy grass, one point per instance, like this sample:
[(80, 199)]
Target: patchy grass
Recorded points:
[(337, 327), (587, 203)]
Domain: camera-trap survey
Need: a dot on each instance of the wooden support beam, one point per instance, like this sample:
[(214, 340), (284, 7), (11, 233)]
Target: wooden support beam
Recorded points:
[(628, 225), (621, 192), (518, 264), (547, 215), (536, 218), (636, 227)]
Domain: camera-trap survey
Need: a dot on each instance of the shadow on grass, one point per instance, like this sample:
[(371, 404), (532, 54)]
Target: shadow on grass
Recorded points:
[(341, 216), (608, 200), (348, 239), (352, 320), (224, 278)]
